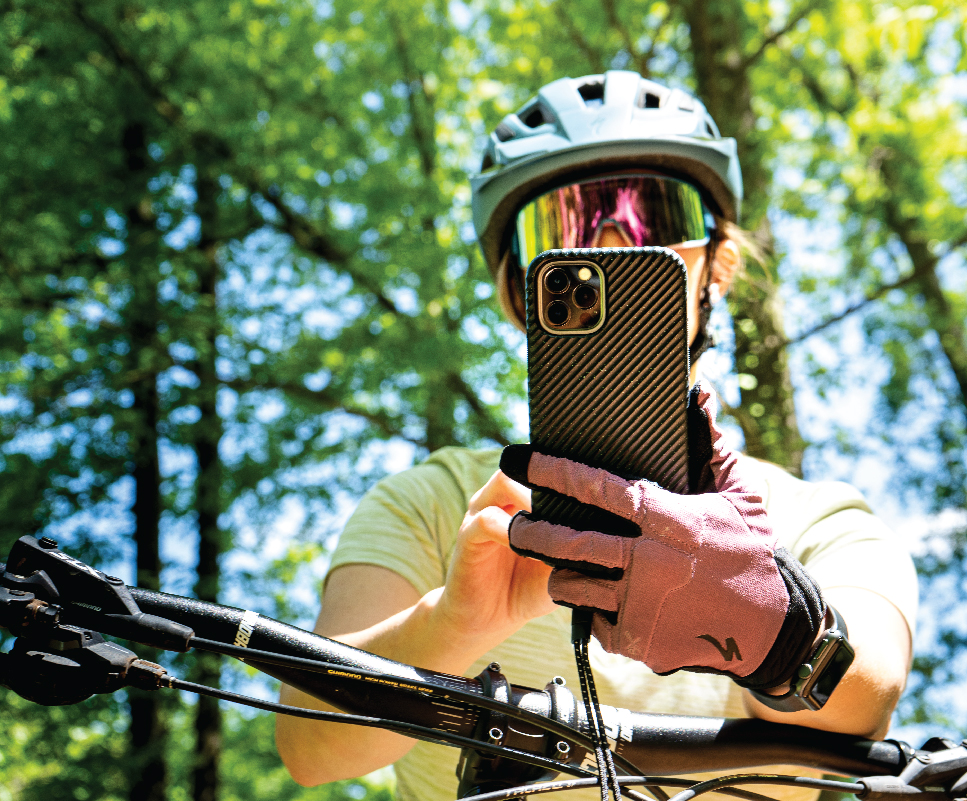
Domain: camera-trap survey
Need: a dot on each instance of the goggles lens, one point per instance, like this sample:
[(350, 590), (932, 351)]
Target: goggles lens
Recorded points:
[(650, 210)]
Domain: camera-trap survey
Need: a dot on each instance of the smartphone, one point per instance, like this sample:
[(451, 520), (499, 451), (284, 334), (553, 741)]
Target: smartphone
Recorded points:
[(607, 368)]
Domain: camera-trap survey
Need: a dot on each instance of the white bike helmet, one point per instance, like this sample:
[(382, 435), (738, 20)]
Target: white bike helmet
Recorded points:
[(582, 127)]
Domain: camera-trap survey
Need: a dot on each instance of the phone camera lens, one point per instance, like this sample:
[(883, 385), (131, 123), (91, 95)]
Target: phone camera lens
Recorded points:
[(556, 281), (558, 313), (585, 296)]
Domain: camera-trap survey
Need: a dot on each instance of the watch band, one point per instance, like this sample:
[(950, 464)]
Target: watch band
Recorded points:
[(817, 677)]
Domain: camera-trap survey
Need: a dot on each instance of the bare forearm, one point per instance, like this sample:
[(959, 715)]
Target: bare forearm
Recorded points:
[(490, 593), (865, 699), (317, 752)]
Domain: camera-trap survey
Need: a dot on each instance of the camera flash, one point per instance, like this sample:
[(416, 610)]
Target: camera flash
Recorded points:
[(584, 274)]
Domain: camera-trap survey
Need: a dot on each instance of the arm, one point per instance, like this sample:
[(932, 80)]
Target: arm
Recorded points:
[(868, 693), (490, 592), (706, 587)]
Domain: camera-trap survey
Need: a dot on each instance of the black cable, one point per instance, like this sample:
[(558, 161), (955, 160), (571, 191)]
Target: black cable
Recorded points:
[(562, 785), (607, 774), (408, 729), (472, 699), (712, 785), (653, 783), (660, 795)]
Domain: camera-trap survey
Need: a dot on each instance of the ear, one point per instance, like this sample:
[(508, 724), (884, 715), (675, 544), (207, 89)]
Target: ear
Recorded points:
[(725, 265)]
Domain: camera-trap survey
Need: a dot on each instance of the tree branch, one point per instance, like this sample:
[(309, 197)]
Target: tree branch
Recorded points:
[(421, 120), (819, 95), (645, 59), (776, 35), (876, 294), (123, 58), (943, 321), (327, 400), (305, 234), (611, 12), (489, 427), (948, 325), (577, 38)]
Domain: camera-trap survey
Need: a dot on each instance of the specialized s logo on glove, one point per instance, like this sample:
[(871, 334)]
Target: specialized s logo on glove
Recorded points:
[(703, 587)]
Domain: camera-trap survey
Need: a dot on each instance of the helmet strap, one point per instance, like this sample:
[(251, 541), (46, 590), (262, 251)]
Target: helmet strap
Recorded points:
[(703, 339)]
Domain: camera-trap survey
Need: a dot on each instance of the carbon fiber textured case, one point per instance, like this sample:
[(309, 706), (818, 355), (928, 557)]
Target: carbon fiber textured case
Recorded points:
[(615, 398)]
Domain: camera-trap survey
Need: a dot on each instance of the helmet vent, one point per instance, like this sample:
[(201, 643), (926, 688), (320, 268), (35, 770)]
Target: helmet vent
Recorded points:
[(648, 100), (533, 117), (592, 93)]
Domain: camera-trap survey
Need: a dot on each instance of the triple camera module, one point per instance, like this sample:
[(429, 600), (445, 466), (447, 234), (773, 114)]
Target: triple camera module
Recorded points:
[(570, 297)]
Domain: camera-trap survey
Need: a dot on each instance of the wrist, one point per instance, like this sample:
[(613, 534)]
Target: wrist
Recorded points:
[(786, 686), (460, 639), (818, 676), (804, 625), (422, 634)]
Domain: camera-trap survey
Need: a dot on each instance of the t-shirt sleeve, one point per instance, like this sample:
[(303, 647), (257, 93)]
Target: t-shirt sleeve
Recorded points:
[(829, 527), (407, 523)]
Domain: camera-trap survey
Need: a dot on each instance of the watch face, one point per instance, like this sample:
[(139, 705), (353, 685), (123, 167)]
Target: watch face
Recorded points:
[(829, 664)]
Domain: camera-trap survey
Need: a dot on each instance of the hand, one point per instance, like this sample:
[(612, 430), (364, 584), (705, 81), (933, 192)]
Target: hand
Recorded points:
[(491, 591), (702, 587)]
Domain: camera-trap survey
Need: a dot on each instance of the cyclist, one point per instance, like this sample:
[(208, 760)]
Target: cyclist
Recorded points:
[(425, 573)]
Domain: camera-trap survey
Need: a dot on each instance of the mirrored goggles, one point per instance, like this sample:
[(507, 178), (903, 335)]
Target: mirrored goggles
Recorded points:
[(648, 209)]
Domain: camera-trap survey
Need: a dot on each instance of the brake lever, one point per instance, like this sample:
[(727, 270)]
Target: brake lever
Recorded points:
[(71, 664), (22, 612), (936, 772), (87, 597)]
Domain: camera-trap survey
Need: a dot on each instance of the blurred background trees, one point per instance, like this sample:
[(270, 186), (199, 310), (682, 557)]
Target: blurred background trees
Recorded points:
[(240, 284)]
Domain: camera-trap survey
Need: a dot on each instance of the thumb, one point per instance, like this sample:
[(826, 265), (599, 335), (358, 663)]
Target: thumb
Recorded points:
[(711, 461)]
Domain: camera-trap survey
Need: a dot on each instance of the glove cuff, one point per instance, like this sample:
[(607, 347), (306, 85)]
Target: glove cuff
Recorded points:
[(805, 619)]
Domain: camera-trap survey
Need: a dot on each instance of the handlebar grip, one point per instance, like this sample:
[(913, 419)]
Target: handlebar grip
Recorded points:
[(882, 788), (679, 744)]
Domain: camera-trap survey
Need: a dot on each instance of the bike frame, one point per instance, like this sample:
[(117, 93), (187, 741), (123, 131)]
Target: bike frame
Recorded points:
[(515, 740)]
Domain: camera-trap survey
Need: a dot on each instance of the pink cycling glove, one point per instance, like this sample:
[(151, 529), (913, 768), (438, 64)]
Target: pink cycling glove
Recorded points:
[(702, 587)]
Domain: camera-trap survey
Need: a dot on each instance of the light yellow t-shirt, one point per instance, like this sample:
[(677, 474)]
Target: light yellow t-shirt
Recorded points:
[(408, 523)]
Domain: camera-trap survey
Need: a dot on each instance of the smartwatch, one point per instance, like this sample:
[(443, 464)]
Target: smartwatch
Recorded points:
[(816, 678)]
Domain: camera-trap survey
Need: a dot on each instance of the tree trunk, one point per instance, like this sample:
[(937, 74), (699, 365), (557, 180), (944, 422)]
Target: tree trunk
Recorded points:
[(208, 432), (148, 776), (720, 34)]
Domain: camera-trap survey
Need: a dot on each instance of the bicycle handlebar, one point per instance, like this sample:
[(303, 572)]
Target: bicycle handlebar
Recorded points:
[(655, 744), (51, 600)]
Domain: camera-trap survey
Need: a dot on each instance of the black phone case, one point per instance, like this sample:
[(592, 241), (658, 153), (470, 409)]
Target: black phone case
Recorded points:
[(616, 398)]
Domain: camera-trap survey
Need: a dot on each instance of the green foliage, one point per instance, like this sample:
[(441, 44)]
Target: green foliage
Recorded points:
[(71, 753), (254, 772), (880, 155), (935, 700), (251, 769), (260, 206)]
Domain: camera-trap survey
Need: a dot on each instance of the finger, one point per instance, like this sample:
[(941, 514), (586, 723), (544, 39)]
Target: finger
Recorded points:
[(503, 492), (589, 485), (728, 478), (490, 524), (538, 470), (604, 632), (571, 588), (560, 545)]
